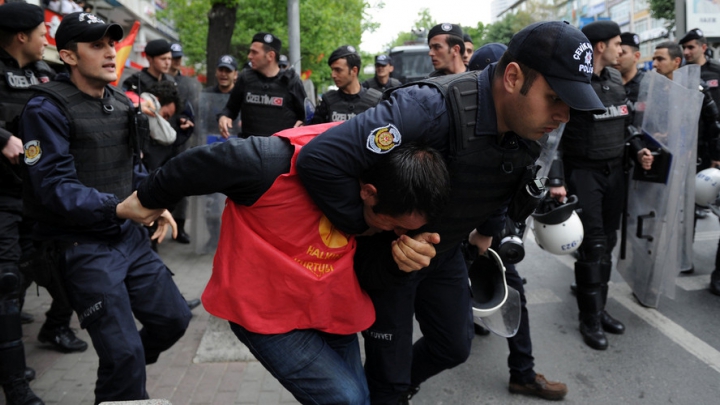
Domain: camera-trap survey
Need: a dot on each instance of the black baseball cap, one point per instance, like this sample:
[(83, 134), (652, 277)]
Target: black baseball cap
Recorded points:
[(85, 27), (564, 56), (228, 62), (695, 33), (342, 52), (176, 50), (466, 38), (485, 55), (16, 17), (630, 39), (446, 28), (283, 60), (383, 60), (268, 39)]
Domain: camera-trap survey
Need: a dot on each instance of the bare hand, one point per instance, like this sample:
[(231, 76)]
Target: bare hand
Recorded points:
[(13, 149), (147, 107), (715, 163), (414, 253), (645, 157), (298, 124), (224, 125), (133, 210), (166, 220), (482, 242), (558, 193), (186, 123)]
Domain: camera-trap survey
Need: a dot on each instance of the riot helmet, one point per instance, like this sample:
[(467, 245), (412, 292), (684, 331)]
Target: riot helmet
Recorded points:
[(707, 186), (557, 227), (494, 304)]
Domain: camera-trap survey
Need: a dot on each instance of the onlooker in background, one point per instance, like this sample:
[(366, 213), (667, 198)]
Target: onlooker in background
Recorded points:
[(350, 99), (225, 75), (382, 80), (469, 47), (447, 49), (64, 6)]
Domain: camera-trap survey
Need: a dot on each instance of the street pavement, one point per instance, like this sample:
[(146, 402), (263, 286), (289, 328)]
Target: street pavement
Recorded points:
[(669, 355)]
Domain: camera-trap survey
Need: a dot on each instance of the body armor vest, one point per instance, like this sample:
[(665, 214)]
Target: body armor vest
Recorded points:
[(373, 83), (485, 171), (141, 82), (599, 136), (710, 74), (99, 143), (14, 93), (339, 109), (266, 105)]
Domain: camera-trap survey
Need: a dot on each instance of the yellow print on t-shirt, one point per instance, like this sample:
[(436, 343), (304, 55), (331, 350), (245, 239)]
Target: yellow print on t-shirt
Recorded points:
[(330, 236), (318, 269)]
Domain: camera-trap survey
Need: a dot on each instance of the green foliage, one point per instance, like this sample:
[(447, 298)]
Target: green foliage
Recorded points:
[(663, 9), (324, 25), (422, 25)]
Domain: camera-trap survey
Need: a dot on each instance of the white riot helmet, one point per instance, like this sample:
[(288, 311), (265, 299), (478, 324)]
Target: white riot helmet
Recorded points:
[(557, 227), (494, 304), (707, 186)]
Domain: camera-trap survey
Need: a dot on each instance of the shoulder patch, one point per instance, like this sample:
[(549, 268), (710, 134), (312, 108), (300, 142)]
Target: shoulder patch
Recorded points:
[(32, 152), (383, 139)]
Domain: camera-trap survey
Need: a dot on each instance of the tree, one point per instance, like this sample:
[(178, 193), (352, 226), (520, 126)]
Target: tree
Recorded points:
[(221, 23), (663, 9), (421, 28)]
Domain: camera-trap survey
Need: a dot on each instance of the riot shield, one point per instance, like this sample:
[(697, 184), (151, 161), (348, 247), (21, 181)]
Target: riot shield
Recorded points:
[(656, 210), (206, 210)]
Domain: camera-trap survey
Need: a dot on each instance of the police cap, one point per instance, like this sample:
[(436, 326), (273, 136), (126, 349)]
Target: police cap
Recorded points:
[(16, 17), (85, 27), (268, 39), (466, 38), (630, 39), (342, 52), (227, 61), (445, 28), (283, 61), (695, 33), (176, 50), (157, 47), (383, 60), (598, 31), (485, 55), (564, 56)]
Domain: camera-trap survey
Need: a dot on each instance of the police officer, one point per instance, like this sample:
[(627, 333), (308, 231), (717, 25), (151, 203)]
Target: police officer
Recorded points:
[(225, 74), (159, 56), (469, 48), (79, 152), (283, 62), (447, 49), (350, 99), (188, 87), (268, 99), (382, 80), (627, 66), (592, 149), (491, 145), (694, 46)]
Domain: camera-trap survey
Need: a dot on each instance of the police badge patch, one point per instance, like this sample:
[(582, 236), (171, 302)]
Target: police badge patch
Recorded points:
[(384, 139), (32, 152)]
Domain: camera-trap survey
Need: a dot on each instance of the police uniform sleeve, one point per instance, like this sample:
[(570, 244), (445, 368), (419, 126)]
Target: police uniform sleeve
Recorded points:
[(242, 169), (51, 169), (298, 98), (4, 137), (330, 165)]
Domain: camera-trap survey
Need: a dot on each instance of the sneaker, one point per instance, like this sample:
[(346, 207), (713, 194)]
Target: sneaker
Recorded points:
[(63, 339), (18, 392), (541, 388)]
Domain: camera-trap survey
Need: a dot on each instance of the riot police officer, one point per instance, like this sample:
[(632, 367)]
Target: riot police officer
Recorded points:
[(268, 98), (592, 150), (627, 66), (447, 49), (350, 99), (80, 144), (382, 80)]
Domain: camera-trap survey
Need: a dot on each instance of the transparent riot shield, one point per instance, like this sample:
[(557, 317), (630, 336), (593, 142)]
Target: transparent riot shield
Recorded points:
[(206, 210), (655, 209)]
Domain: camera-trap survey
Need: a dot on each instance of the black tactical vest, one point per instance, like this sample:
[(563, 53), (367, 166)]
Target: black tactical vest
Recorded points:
[(340, 109), (99, 143), (599, 136), (485, 172), (14, 93), (710, 74), (141, 81), (266, 105)]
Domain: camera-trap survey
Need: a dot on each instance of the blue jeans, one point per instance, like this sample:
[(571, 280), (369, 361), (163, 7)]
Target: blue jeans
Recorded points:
[(316, 367)]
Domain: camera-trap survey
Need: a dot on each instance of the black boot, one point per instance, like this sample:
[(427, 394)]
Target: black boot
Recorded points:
[(182, 236), (62, 338), (715, 282), (29, 374), (18, 392), (588, 277), (609, 324)]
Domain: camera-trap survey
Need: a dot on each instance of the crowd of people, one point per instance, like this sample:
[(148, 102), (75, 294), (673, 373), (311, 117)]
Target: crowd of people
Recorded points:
[(366, 201)]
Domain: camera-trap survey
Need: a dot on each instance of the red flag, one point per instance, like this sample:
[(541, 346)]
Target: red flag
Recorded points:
[(123, 49)]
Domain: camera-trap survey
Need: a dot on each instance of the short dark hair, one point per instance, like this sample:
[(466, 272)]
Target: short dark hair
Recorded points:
[(353, 60), (412, 178), (529, 73), (268, 48), (674, 50), (452, 40), (166, 93), (6, 37)]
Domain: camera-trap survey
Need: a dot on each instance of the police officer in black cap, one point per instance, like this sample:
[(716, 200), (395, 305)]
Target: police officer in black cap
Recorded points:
[(350, 99), (447, 49), (627, 66), (283, 62), (592, 149), (694, 46), (159, 56), (268, 99), (382, 80), (225, 75), (469, 48)]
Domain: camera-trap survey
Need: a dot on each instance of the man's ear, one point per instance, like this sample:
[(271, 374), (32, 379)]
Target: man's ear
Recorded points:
[(68, 57), (368, 193), (513, 78)]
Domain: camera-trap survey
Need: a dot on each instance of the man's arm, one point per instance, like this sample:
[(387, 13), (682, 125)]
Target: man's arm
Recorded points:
[(298, 98), (331, 164), (320, 113), (232, 107)]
